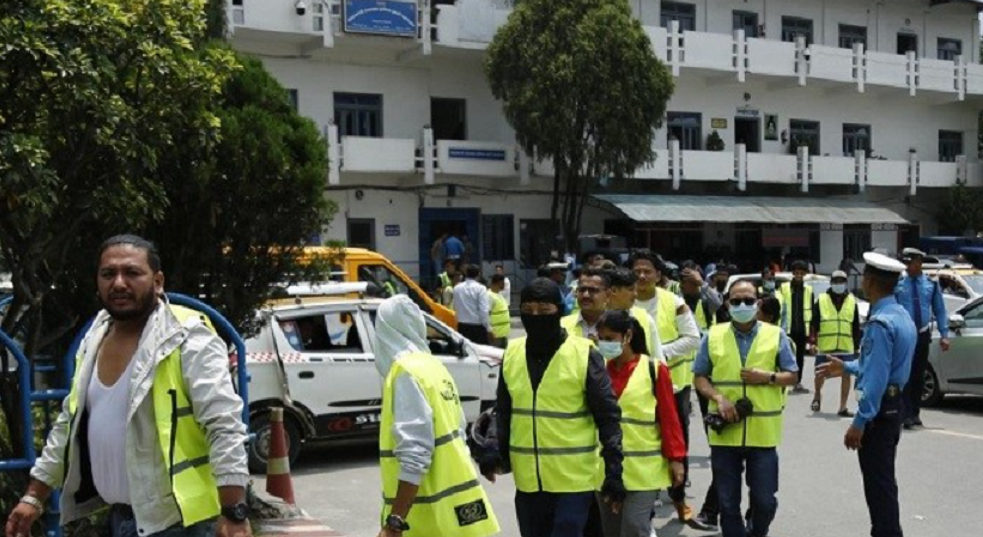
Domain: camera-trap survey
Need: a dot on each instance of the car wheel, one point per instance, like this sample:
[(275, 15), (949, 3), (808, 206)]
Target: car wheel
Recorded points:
[(259, 448), (932, 393)]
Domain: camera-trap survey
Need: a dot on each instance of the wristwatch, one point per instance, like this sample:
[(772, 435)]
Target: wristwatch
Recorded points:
[(238, 512), (34, 502), (396, 523), (773, 378)]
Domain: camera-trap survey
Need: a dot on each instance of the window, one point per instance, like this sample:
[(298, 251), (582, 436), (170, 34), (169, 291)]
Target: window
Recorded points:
[(448, 117), (950, 145), (856, 241), (358, 114), (498, 237), (950, 48), (747, 21), (361, 233), (803, 132), (293, 99), (855, 137), (334, 332), (907, 43), (793, 27), (687, 127), (385, 283), (679, 11), (318, 18), (850, 35)]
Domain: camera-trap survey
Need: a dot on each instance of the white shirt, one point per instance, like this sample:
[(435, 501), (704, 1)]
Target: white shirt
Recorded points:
[(507, 292), (108, 406), (471, 303), (689, 334)]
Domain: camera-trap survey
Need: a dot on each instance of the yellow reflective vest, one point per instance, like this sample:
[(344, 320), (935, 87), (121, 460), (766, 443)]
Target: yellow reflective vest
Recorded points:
[(836, 326), (182, 439), (644, 467), (785, 295), (498, 315), (572, 324), (763, 428), (553, 437), (681, 367), (450, 500)]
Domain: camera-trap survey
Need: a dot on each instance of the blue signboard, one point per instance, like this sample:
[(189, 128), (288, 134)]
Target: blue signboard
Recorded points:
[(476, 154), (392, 230), (384, 17)]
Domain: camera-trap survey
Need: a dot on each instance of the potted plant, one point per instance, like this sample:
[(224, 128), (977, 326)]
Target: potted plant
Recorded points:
[(715, 142)]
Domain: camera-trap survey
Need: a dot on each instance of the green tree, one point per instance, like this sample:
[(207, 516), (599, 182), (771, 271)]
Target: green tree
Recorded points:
[(581, 86)]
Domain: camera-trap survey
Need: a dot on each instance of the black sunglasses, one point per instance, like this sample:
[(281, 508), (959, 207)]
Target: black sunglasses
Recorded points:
[(745, 301)]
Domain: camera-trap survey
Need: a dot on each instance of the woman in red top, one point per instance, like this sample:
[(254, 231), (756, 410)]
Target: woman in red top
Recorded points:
[(625, 354)]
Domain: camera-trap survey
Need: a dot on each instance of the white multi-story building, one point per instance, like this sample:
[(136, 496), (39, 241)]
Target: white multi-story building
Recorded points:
[(843, 123)]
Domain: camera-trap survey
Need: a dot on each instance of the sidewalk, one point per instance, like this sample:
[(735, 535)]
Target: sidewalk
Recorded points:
[(282, 519)]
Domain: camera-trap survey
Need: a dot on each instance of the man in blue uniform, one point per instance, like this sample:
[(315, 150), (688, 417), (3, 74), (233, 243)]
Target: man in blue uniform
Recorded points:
[(882, 373), (922, 298)]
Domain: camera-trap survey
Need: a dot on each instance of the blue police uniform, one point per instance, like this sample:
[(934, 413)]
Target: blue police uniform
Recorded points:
[(922, 299), (882, 372)]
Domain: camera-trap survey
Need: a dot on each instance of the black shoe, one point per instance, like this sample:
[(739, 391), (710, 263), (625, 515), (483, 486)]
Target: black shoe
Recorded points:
[(917, 421), (704, 522), (908, 424)]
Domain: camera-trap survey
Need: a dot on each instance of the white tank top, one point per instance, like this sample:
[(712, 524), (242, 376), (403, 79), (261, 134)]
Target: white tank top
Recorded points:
[(108, 406)]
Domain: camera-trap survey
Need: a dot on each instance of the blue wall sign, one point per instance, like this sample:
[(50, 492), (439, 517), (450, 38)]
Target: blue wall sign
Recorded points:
[(384, 17), (476, 154), (392, 230)]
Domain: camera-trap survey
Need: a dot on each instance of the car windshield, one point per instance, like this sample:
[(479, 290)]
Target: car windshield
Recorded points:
[(975, 282)]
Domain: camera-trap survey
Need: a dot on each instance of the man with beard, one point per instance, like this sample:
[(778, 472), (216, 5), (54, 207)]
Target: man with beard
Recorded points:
[(555, 403), (151, 428)]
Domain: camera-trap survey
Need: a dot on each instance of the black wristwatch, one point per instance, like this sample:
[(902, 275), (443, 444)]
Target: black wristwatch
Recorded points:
[(396, 523), (773, 378), (237, 512)]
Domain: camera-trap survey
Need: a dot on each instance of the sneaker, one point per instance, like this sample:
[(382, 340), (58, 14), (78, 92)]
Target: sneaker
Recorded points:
[(800, 389), (704, 522), (917, 422)]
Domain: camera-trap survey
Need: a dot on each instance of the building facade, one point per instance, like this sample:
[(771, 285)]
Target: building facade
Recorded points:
[(853, 115)]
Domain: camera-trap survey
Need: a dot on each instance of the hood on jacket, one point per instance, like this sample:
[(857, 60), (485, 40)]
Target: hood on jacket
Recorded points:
[(399, 328)]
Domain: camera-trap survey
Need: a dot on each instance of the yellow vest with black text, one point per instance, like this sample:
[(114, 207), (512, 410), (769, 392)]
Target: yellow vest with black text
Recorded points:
[(785, 293), (681, 367), (644, 466), (553, 437), (501, 323), (450, 500), (836, 327), (763, 428), (182, 440)]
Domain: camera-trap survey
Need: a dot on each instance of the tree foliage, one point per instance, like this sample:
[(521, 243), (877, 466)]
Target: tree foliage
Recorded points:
[(581, 86), (961, 211)]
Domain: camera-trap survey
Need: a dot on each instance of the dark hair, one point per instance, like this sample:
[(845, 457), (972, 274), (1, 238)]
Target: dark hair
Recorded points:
[(604, 275), (543, 272), (498, 278), (576, 273), (621, 277), (140, 243), (691, 265), (473, 271), (772, 308), (621, 321), (884, 280), (723, 267), (799, 264), (644, 254)]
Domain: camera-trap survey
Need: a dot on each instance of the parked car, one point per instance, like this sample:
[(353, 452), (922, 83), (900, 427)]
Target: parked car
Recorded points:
[(317, 360), (959, 371), (960, 283)]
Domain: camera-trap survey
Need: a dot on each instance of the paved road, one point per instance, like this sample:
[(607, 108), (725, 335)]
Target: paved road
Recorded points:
[(939, 471)]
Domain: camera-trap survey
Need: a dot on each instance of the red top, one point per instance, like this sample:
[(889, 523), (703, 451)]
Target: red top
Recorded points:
[(673, 444)]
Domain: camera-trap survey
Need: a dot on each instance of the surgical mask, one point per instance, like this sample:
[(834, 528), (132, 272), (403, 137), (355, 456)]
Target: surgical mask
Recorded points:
[(769, 285), (610, 349), (839, 288), (743, 313)]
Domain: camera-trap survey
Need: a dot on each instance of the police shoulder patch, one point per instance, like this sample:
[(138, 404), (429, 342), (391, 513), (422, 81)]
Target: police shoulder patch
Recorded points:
[(471, 513)]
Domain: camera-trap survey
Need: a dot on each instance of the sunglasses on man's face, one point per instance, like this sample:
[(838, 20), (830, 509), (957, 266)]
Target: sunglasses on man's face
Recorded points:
[(745, 301)]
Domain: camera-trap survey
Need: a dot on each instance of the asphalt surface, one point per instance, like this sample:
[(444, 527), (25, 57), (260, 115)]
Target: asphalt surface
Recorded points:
[(939, 474)]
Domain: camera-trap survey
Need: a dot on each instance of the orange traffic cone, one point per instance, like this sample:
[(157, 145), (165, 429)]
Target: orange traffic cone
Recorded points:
[(278, 481)]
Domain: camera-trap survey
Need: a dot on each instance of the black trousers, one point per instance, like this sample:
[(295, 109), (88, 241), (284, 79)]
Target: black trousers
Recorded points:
[(475, 332), (546, 514), (916, 381), (800, 351), (877, 455), (684, 405), (711, 504)]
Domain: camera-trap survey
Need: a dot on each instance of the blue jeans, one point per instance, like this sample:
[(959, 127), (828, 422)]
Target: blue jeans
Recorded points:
[(547, 514), (762, 480), (122, 524)]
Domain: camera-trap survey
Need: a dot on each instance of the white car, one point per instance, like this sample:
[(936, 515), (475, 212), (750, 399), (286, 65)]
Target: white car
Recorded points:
[(317, 361)]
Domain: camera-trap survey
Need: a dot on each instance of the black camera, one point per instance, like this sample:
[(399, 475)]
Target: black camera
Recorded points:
[(715, 421)]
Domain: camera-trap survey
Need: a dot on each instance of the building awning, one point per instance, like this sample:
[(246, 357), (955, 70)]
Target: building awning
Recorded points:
[(762, 210)]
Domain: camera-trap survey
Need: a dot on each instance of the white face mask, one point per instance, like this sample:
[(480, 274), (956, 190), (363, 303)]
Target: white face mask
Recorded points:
[(744, 313), (610, 349), (839, 288)]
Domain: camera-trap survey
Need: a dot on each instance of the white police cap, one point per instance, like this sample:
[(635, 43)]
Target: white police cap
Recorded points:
[(883, 262), (908, 253)]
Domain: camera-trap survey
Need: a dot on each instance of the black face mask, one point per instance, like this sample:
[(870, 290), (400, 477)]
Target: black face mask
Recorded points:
[(542, 332)]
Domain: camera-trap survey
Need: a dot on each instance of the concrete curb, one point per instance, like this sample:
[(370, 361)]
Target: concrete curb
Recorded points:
[(306, 526)]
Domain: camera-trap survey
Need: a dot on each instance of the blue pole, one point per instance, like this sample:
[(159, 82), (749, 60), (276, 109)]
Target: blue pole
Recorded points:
[(223, 324), (24, 377)]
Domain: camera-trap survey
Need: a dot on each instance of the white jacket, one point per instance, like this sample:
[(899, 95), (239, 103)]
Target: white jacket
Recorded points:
[(216, 407)]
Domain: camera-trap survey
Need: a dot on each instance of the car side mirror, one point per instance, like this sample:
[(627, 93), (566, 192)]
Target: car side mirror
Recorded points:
[(956, 322)]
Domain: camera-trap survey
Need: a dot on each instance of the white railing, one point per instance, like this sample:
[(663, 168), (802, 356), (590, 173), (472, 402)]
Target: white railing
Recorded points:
[(936, 75), (707, 165), (831, 63), (887, 172), (658, 169), (772, 168), (361, 154), (834, 170), (709, 51), (770, 57), (888, 69), (937, 174)]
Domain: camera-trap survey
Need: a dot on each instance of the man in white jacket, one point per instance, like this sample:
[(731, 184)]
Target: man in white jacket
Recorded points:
[(152, 427)]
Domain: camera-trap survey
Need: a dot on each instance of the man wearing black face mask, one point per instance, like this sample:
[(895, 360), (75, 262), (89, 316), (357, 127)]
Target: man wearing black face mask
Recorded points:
[(554, 403)]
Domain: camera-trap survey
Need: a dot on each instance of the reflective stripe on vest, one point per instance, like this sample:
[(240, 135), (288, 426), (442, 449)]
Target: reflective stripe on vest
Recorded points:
[(786, 299), (644, 467), (501, 323), (553, 438), (764, 427), (836, 327), (450, 500), (182, 440)]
